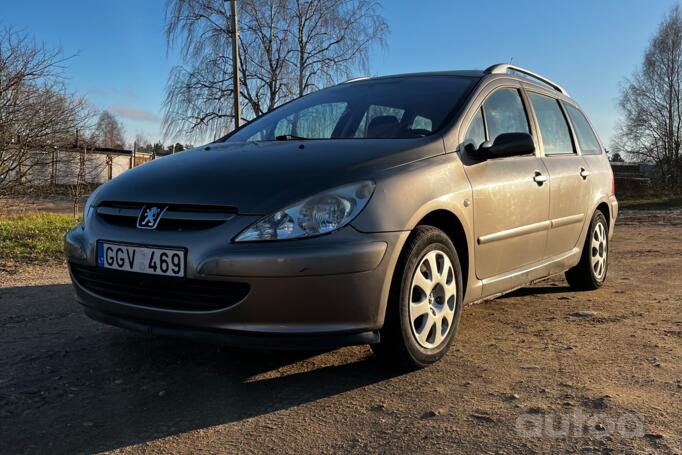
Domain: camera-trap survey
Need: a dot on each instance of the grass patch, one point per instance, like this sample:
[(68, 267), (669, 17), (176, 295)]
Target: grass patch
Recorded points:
[(651, 203), (32, 238)]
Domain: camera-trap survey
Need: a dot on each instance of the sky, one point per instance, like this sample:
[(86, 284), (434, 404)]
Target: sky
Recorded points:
[(121, 62)]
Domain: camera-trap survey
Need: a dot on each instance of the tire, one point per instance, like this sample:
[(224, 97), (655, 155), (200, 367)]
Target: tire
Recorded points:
[(590, 273), (421, 302)]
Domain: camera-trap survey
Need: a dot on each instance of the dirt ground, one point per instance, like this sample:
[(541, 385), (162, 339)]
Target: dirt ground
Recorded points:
[(541, 370)]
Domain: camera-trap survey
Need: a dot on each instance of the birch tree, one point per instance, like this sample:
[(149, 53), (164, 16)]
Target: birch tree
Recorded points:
[(287, 48), (651, 105)]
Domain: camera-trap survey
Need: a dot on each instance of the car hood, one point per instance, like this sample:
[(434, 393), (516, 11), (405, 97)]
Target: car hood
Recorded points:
[(260, 177)]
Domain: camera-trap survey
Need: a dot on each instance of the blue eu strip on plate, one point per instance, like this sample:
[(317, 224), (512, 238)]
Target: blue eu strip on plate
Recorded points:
[(100, 254)]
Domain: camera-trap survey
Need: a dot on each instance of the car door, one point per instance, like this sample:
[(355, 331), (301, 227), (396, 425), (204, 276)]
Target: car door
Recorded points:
[(569, 186), (510, 195), (599, 173)]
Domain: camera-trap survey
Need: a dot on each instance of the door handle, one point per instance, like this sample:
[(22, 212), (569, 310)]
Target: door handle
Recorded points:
[(584, 173), (539, 178)]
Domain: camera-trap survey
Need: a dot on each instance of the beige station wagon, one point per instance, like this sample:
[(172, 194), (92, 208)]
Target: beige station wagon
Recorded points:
[(368, 212)]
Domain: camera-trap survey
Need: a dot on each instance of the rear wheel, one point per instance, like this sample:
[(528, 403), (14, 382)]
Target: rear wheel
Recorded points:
[(425, 303), (590, 273)]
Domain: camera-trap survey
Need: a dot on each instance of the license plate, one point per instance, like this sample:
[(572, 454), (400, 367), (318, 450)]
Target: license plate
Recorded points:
[(141, 259)]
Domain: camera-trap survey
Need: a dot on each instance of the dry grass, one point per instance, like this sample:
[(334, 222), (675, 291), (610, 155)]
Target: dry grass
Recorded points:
[(32, 238), (662, 202)]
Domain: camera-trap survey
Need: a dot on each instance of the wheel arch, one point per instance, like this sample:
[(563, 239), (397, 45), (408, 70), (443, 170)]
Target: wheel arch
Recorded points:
[(605, 209), (449, 223), (601, 205), (440, 217)]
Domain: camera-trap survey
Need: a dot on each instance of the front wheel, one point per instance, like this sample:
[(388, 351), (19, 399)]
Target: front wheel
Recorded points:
[(590, 273), (425, 303)]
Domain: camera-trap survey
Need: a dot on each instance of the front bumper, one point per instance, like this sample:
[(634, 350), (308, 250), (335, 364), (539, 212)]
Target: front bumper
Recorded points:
[(318, 292), (236, 338)]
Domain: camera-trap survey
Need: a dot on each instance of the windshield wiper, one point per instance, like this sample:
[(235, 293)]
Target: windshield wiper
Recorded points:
[(290, 137)]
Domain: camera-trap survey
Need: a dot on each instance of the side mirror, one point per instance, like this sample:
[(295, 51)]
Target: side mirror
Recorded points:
[(507, 144)]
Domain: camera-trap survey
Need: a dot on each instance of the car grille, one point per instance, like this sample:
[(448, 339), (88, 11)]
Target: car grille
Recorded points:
[(162, 292), (177, 217)]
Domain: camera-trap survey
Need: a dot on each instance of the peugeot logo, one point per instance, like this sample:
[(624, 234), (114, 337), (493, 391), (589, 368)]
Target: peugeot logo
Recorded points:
[(150, 215)]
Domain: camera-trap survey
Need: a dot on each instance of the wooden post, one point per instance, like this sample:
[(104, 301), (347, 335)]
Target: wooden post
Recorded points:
[(53, 168), (134, 154)]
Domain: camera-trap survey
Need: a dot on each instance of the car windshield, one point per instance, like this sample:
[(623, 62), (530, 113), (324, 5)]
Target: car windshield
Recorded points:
[(391, 108)]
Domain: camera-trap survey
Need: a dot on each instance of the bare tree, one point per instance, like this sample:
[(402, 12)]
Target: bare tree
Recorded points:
[(141, 140), (266, 53), (108, 132), (37, 114), (287, 48), (332, 38), (197, 93), (651, 104)]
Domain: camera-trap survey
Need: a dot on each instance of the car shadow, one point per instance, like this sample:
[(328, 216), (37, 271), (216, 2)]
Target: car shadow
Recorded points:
[(69, 384), (539, 290)]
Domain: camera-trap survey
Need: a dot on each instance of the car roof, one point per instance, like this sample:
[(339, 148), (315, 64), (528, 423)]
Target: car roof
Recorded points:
[(496, 71), (465, 73)]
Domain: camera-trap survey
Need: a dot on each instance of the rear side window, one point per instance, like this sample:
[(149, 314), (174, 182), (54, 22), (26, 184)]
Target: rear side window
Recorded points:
[(589, 144), (556, 137), (504, 113)]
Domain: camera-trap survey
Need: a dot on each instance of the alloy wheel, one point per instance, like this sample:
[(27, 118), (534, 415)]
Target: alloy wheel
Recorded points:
[(599, 251), (433, 292)]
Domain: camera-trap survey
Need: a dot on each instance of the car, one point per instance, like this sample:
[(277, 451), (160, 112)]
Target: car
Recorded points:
[(369, 212)]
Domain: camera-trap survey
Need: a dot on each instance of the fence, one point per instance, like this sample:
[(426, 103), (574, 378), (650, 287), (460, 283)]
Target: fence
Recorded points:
[(631, 179), (74, 167)]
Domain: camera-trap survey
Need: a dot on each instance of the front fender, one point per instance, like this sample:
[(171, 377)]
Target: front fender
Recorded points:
[(405, 196)]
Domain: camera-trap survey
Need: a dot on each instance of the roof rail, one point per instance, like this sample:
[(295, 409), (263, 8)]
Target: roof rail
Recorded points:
[(355, 79), (504, 68)]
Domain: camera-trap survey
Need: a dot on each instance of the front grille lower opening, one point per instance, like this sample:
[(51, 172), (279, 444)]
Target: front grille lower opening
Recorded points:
[(161, 292)]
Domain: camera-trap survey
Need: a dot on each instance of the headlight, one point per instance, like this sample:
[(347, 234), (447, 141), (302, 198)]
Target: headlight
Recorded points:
[(319, 214)]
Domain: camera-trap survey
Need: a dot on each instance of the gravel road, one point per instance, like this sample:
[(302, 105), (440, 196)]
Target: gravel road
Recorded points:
[(543, 369)]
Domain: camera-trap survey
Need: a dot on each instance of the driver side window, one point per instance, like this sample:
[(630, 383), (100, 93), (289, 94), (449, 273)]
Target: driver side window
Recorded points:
[(504, 113)]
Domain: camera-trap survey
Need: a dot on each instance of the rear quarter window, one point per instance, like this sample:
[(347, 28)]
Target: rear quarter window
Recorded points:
[(589, 144)]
